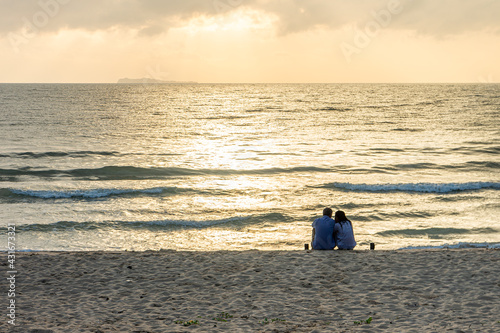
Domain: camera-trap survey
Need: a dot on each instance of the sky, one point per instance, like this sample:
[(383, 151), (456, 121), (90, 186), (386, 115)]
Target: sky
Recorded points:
[(250, 41)]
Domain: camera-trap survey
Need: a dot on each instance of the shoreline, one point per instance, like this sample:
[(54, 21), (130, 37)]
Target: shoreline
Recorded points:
[(361, 247), (410, 290)]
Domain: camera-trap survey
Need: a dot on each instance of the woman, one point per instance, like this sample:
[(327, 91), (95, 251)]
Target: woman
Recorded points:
[(343, 232)]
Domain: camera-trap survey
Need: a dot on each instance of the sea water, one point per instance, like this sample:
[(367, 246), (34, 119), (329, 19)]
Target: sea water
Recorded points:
[(247, 166)]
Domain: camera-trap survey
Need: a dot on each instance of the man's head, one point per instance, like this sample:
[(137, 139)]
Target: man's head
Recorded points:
[(328, 212)]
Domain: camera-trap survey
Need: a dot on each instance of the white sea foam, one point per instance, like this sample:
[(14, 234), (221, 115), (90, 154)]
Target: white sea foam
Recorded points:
[(419, 187)]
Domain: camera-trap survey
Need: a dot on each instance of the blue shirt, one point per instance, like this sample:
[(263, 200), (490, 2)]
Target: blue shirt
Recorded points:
[(344, 235), (323, 233)]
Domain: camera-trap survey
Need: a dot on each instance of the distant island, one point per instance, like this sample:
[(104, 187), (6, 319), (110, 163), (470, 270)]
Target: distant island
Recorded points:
[(149, 80)]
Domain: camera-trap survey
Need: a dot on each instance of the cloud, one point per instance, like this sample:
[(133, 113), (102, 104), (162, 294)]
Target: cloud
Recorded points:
[(428, 17), (91, 15), (151, 17), (449, 17)]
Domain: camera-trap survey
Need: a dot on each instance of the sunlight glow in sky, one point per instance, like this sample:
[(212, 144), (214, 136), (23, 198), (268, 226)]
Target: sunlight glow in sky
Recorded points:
[(250, 40)]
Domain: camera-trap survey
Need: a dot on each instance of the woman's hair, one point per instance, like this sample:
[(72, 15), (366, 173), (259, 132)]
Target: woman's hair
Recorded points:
[(340, 216)]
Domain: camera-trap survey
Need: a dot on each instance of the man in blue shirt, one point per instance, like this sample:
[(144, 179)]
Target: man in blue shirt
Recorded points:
[(322, 234)]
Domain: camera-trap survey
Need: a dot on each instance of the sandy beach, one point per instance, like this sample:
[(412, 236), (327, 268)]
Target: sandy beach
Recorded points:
[(254, 291)]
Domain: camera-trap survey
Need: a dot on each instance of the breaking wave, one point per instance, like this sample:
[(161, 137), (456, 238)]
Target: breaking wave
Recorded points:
[(416, 187)]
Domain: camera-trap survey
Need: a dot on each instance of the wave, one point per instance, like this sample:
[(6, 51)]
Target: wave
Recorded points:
[(76, 154), (470, 166), (332, 108), (467, 150), (435, 232), (157, 225), (60, 154), (136, 173), (461, 245), (379, 216), (416, 187), (464, 150), (131, 172), (480, 165), (89, 194)]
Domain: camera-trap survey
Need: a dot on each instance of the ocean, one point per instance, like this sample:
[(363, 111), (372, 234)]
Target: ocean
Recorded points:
[(247, 166)]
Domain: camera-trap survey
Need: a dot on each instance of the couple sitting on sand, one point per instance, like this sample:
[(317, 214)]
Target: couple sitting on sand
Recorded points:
[(328, 233)]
